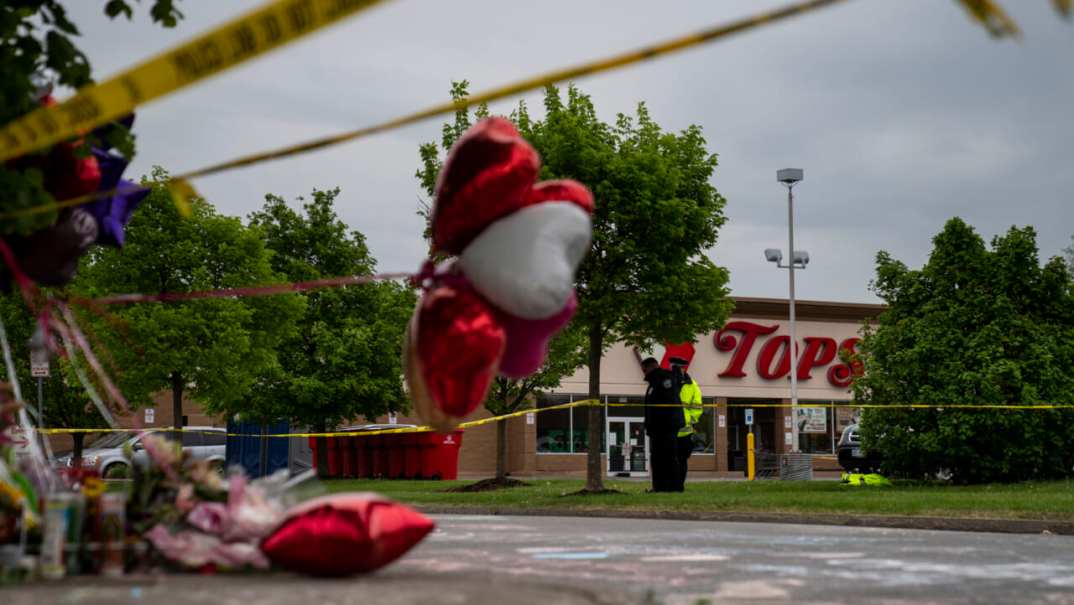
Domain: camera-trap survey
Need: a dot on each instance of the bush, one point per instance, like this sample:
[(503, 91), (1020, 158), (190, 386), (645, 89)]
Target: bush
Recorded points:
[(973, 326)]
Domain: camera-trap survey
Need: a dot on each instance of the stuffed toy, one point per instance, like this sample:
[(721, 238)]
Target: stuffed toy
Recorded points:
[(508, 287)]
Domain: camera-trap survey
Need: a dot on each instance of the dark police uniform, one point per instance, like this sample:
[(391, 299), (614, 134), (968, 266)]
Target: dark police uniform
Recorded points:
[(662, 425)]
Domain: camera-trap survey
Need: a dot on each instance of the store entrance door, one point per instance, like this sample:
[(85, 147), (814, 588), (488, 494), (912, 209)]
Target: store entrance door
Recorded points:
[(628, 448)]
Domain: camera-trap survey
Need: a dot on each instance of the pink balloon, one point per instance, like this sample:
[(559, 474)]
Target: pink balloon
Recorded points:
[(528, 339)]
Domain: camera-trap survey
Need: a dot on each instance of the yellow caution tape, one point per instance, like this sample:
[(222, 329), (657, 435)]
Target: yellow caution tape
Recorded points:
[(253, 34), (567, 406), (182, 193), (624, 59)]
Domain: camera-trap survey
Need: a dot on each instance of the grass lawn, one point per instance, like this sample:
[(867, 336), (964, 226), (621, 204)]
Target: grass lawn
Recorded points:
[(1052, 501)]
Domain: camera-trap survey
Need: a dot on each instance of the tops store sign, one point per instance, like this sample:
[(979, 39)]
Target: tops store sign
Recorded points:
[(820, 352)]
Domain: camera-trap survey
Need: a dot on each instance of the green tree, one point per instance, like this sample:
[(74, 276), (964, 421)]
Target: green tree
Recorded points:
[(1068, 254), (216, 348), (647, 277), (345, 360), (973, 326), (65, 402), (38, 45)]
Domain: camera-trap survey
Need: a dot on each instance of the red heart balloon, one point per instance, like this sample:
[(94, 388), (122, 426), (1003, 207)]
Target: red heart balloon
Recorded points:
[(561, 191), (488, 174), (459, 342)]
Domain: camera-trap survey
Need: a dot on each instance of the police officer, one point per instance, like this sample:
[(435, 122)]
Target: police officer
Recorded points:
[(690, 396), (662, 424)]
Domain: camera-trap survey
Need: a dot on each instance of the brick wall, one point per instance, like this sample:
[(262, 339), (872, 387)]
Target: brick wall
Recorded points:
[(721, 435), (162, 417)]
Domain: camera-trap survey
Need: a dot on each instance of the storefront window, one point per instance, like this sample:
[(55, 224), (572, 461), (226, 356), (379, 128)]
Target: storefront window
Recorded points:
[(565, 431), (705, 440), (580, 421), (844, 417), (816, 431), (554, 427), (764, 429)]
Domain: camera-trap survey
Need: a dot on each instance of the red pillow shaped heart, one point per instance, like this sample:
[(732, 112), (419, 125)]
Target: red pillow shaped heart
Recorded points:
[(345, 534)]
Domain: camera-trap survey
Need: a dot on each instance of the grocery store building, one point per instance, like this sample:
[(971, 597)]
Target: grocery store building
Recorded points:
[(745, 365)]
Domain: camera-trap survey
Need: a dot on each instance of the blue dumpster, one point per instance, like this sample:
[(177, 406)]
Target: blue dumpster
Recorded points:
[(258, 455)]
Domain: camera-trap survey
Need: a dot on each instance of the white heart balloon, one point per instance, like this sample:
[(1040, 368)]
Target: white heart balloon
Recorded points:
[(524, 263)]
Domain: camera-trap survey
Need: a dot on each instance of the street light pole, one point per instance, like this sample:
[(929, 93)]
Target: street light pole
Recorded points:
[(790, 177), (794, 336)]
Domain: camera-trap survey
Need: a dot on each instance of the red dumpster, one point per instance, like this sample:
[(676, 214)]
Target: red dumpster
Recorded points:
[(412, 455), (378, 454), (333, 467), (348, 466), (440, 455), (396, 454), (335, 457), (363, 458)]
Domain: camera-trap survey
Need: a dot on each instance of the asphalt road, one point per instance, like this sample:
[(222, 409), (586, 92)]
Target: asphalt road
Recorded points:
[(497, 560), (689, 562)]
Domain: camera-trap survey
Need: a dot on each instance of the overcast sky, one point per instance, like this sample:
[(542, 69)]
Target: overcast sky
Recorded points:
[(903, 114)]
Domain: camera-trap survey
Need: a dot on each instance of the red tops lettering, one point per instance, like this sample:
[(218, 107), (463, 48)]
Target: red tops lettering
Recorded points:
[(739, 338)]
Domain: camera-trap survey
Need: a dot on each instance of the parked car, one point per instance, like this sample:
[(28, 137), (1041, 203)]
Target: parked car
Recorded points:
[(851, 456), (106, 454)]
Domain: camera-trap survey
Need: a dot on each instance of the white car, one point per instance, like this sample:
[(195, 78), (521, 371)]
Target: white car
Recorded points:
[(106, 454)]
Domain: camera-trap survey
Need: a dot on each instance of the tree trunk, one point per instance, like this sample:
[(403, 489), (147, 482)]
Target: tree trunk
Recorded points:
[(594, 472), (177, 406), (76, 453), (501, 450)]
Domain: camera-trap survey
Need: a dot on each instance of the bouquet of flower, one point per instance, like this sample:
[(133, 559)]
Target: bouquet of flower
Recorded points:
[(195, 518)]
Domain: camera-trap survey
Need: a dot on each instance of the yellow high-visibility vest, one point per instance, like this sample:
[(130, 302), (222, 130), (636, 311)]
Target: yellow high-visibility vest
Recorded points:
[(690, 395)]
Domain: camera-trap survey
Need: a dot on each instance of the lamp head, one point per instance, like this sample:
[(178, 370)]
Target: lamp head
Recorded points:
[(801, 257), (790, 176), (773, 255)]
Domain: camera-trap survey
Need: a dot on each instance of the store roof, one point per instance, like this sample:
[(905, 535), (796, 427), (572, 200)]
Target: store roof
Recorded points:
[(822, 310)]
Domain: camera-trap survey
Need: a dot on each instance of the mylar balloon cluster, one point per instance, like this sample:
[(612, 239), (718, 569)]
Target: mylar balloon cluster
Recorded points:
[(509, 288), (49, 256)]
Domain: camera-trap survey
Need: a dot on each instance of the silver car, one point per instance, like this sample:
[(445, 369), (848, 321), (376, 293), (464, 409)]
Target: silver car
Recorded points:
[(106, 454)]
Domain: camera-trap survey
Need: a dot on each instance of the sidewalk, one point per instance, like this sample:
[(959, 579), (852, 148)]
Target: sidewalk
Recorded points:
[(397, 585)]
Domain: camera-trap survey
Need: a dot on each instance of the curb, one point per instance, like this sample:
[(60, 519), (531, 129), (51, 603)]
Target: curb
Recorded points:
[(990, 525)]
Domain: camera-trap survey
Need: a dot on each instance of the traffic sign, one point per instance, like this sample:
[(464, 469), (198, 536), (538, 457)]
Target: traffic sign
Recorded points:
[(749, 416), (38, 355)]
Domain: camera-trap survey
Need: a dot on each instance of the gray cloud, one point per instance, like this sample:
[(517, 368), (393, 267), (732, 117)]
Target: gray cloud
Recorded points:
[(903, 115)]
